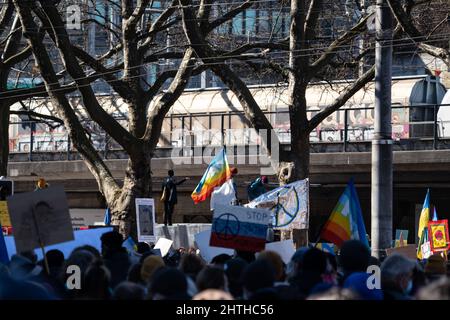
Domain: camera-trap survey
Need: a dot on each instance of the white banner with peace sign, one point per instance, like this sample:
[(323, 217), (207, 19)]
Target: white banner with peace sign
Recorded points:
[(289, 205)]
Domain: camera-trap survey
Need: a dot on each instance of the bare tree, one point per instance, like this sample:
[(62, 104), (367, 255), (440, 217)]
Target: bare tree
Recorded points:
[(427, 24), (306, 62), (138, 43)]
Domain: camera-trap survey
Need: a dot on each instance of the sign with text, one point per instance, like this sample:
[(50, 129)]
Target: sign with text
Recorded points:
[(145, 218), (240, 228), (40, 218), (438, 235)]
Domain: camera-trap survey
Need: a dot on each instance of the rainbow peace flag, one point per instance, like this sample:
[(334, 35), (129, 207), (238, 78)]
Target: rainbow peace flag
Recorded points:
[(215, 175), (346, 221)]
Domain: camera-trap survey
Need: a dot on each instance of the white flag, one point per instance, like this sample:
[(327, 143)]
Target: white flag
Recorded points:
[(223, 195)]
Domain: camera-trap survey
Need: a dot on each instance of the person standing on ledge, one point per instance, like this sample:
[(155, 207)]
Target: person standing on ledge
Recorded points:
[(169, 196), (41, 184)]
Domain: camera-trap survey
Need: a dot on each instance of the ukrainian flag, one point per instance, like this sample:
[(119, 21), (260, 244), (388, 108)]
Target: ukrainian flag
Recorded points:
[(423, 223)]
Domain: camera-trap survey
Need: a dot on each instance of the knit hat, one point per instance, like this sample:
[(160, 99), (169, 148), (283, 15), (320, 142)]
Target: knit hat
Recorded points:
[(357, 282), (435, 265), (150, 265)]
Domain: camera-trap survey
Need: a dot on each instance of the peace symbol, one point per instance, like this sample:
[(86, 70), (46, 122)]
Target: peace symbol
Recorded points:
[(282, 216), (230, 228)]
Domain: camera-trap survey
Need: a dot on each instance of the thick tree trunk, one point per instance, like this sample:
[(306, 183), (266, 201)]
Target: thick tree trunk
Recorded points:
[(137, 184), (4, 139)]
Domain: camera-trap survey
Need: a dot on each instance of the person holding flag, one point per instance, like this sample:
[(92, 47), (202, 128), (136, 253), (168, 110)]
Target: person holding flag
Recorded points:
[(346, 221), (215, 175)]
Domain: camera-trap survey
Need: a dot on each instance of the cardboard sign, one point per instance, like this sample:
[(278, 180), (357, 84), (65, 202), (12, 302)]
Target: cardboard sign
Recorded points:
[(438, 235), (240, 228), (409, 251), (208, 252), (163, 245), (145, 218), (5, 221), (401, 238), (284, 248), (89, 237), (426, 250), (40, 218)]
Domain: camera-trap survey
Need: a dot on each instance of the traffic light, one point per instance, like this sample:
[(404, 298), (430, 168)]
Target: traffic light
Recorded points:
[(6, 189)]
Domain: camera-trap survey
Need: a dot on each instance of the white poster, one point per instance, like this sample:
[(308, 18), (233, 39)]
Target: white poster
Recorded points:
[(145, 219)]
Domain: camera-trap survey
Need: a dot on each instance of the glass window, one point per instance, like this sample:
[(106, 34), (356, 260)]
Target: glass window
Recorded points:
[(237, 24), (250, 21)]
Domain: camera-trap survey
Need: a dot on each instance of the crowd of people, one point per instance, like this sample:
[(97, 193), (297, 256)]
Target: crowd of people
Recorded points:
[(141, 274)]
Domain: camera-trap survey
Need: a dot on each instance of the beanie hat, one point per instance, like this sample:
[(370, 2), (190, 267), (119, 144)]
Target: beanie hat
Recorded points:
[(357, 282), (435, 265), (150, 265)]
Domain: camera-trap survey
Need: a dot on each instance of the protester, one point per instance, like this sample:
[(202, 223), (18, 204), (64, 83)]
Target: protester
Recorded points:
[(169, 196), (226, 194), (213, 294), (257, 275), (128, 291), (168, 284), (359, 282), (396, 277), (149, 266), (354, 257), (211, 278), (234, 269), (314, 267), (115, 257), (96, 282), (41, 184), (220, 260), (257, 187), (191, 265), (435, 267), (436, 290)]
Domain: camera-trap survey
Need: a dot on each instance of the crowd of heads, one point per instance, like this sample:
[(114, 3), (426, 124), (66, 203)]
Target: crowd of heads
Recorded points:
[(115, 273)]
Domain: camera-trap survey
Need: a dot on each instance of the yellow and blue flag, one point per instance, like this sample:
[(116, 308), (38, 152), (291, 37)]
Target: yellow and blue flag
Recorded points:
[(422, 232)]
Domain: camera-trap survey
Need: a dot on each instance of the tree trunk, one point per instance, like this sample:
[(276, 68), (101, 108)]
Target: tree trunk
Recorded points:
[(4, 138), (137, 184)]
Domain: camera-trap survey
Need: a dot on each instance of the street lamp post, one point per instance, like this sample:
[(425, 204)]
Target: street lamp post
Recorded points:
[(382, 140)]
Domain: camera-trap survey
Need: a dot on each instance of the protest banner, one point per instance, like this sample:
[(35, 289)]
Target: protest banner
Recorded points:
[(40, 218), (5, 221), (408, 251), (201, 241), (90, 237), (163, 245), (438, 235), (289, 205), (240, 228), (284, 248), (145, 218)]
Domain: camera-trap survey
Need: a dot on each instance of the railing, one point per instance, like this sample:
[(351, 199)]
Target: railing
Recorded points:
[(429, 124)]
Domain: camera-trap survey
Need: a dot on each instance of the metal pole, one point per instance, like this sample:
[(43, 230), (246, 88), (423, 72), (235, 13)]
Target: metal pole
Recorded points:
[(382, 139)]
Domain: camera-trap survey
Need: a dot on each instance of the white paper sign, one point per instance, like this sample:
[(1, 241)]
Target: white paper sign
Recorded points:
[(145, 219), (426, 250), (206, 251), (284, 248), (163, 245)]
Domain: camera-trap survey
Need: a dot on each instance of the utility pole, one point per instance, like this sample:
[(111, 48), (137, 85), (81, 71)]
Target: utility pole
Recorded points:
[(382, 139)]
